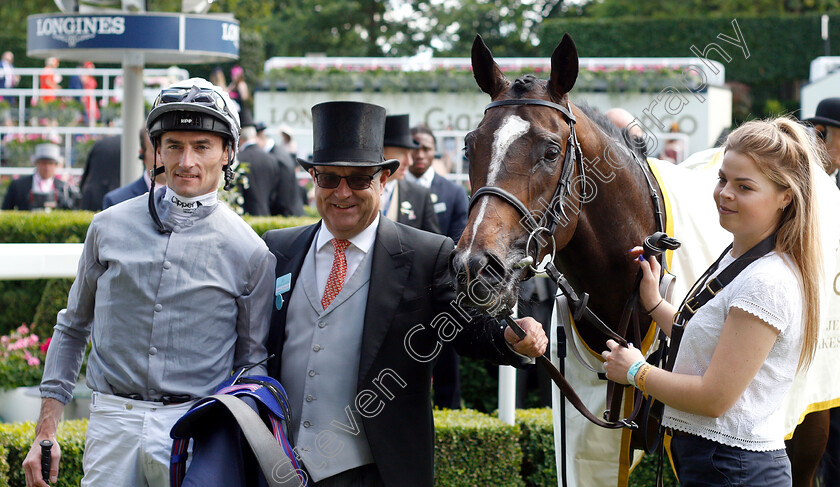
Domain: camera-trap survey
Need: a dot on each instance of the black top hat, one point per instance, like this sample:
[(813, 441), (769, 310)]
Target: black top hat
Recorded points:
[(398, 133), (828, 113), (348, 133)]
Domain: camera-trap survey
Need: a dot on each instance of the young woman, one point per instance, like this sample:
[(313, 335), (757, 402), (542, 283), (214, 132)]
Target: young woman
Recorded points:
[(740, 350)]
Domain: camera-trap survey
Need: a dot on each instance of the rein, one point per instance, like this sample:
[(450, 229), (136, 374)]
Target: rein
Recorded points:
[(547, 223)]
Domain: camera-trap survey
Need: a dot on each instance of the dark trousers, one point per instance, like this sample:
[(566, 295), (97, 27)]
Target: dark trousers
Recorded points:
[(701, 462)]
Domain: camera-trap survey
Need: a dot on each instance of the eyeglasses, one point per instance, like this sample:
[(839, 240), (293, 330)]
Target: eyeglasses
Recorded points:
[(354, 181), (199, 96)]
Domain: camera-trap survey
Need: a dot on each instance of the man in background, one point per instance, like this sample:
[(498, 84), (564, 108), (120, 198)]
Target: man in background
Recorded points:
[(8, 78), (403, 201), (102, 172), (41, 190), (142, 184), (290, 195)]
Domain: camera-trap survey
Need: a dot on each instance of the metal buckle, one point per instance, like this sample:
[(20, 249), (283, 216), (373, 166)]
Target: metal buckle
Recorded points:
[(708, 287), (689, 308)]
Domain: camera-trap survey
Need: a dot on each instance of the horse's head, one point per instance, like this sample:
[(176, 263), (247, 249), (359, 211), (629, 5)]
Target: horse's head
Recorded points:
[(521, 147)]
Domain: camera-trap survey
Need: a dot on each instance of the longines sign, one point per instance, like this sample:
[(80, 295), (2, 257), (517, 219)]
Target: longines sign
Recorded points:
[(171, 36)]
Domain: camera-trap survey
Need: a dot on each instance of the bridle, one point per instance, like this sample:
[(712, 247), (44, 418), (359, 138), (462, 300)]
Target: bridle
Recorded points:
[(547, 222)]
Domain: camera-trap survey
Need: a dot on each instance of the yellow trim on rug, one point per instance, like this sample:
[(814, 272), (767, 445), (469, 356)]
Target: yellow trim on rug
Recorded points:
[(812, 408)]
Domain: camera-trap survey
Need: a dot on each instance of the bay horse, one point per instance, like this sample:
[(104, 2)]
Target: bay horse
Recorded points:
[(535, 157)]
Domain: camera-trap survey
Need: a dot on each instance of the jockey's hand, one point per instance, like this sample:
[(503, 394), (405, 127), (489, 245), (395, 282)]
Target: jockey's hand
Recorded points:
[(534, 343), (649, 287), (618, 359), (32, 463)]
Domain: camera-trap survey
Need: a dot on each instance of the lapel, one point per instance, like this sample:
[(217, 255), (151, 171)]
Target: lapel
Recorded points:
[(388, 278), (290, 260)]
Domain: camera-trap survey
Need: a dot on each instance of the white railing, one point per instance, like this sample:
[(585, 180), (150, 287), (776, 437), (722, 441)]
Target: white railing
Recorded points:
[(39, 260)]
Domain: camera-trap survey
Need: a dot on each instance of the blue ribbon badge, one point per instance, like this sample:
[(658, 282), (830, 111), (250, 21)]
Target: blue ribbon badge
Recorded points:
[(281, 285)]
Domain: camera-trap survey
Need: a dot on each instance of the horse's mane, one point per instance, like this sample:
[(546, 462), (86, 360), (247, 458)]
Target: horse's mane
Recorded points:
[(621, 136)]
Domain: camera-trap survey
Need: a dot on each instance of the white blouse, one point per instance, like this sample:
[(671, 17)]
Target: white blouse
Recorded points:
[(770, 289)]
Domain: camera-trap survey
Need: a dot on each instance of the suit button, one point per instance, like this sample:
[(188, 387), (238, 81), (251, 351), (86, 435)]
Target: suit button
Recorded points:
[(307, 424), (158, 307), (176, 228), (167, 264), (322, 324), (309, 398), (152, 350), (317, 348), (311, 373)]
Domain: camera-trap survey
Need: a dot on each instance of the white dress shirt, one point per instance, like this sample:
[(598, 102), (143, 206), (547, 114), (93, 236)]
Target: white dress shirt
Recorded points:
[(359, 246)]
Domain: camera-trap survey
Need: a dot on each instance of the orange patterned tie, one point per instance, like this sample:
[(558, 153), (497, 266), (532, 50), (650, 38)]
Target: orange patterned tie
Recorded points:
[(337, 274)]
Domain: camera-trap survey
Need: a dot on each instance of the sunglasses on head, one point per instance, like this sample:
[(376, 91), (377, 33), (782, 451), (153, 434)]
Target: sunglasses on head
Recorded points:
[(354, 181)]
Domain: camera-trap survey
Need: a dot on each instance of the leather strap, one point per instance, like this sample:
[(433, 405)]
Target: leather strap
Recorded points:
[(275, 465)]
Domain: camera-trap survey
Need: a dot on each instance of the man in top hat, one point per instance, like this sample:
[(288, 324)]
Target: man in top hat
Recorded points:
[(41, 190), (403, 201), (361, 307), (826, 123)]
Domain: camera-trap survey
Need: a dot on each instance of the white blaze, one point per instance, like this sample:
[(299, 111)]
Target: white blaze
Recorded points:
[(512, 129)]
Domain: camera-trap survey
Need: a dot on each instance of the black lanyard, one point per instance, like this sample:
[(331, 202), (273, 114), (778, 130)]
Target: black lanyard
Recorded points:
[(700, 294)]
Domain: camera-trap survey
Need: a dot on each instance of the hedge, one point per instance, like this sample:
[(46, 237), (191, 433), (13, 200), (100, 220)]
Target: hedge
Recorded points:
[(37, 301), (781, 47), (471, 449)]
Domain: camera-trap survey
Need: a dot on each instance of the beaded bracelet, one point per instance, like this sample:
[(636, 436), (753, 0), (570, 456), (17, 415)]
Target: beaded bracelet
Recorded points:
[(631, 372), (640, 383)]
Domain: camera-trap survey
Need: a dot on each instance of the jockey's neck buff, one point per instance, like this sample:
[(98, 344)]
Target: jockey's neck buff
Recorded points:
[(183, 208)]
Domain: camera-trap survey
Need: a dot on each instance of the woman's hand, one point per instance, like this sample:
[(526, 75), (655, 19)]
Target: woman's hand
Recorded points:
[(618, 359), (649, 287)]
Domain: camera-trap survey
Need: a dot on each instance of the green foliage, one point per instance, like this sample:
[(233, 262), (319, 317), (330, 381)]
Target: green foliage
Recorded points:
[(4, 466), (19, 300), (53, 300), (537, 439), (473, 449), (781, 47), (479, 385), (384, 80), (17, 438)]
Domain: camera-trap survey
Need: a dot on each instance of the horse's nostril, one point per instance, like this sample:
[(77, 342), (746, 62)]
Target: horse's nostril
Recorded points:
[(493, 271)]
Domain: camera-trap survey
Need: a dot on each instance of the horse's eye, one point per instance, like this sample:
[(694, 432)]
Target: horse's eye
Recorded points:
[(467, 152), (552, 153)]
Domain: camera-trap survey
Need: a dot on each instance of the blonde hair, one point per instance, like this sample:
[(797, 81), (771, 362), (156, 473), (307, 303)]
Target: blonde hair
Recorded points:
[(785, 153)]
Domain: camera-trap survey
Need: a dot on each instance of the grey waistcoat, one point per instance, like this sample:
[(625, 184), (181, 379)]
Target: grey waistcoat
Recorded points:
[(320, 369)]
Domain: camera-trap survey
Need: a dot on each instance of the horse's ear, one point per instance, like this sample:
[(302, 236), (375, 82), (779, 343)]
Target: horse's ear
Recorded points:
[(487, 73), (564, 67)]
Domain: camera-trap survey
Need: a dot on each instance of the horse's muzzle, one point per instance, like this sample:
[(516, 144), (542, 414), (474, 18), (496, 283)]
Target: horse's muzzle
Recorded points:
[(480, 277)]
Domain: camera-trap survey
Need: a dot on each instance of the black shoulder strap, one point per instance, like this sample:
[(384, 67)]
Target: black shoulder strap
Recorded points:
[(701, 294)]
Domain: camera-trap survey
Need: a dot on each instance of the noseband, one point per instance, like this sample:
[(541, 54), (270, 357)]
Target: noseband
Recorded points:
[(547, 222)]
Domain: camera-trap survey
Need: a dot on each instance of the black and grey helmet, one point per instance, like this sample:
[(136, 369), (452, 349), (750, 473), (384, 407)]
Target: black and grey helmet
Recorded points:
[(194, 104)]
